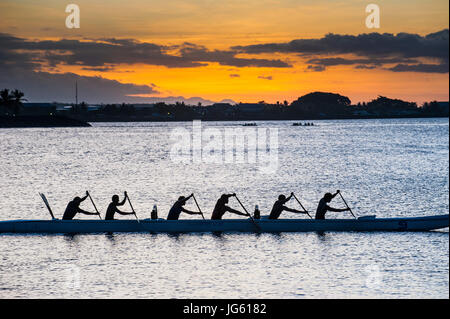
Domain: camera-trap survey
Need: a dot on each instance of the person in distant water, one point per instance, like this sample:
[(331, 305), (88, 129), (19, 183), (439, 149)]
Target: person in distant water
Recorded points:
[(74, 207), (323, 207), (278, 207), (221, 208), (112, 207), (177, 208)]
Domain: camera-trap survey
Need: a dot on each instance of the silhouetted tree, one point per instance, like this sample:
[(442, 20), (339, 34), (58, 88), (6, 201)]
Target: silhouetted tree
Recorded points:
[(386, 106), (435, 109), (6, 99), (18, 98), (321, 102), (12, 100)]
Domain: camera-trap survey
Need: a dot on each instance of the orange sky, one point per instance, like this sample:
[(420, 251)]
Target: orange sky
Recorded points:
[(223, 24)]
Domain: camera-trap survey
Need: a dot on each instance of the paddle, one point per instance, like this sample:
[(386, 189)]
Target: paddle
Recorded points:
[(48, 205), (92, 201), (195, 200), (347, 205), (126, 194), (251, 218), (301, 205)]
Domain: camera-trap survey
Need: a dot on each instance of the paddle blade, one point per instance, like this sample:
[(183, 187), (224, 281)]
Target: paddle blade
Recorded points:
[(44, 199)]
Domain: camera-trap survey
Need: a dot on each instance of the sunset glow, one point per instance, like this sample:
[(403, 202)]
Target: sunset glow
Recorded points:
[(210, 30)]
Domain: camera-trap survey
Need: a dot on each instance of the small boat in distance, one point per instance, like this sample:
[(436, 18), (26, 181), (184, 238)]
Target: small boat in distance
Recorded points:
[(365, 223)]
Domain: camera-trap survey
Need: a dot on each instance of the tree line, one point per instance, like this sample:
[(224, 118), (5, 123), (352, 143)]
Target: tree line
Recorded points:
[(312, 105)]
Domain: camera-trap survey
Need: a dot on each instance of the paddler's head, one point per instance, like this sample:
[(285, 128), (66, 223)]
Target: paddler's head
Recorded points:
[(328, 197), (115, 199), (182, 199), (281, 197), (77, 200), (224, 198)]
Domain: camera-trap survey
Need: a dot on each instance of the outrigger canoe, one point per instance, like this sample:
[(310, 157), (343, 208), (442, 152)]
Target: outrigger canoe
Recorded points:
[(367, 223)]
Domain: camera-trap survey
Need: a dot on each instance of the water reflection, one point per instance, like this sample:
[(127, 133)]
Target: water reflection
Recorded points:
[(388, 167)]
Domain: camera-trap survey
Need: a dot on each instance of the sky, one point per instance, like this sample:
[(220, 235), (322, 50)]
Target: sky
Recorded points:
[(142, 51)]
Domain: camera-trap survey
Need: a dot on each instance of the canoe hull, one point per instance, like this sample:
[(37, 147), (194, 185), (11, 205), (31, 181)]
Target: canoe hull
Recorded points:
[(228, 225)]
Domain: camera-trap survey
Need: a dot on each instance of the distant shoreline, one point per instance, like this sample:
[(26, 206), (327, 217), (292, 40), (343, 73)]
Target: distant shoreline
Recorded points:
[(212, 119), (40, 121), (60, 121)]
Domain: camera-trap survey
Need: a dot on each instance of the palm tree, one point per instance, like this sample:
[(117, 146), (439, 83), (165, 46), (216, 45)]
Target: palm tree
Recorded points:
[(5, 98), (18, 98)]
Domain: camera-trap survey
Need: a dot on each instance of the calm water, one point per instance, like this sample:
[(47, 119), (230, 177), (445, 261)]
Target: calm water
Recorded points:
[(384, 167)]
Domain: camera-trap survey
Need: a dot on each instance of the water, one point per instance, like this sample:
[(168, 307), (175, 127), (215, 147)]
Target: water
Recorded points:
[(389, 167)]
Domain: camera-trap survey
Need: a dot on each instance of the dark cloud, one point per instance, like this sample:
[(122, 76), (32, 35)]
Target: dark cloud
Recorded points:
[(364, 63), (48, 87), (32, 66), (235, 76), (371, 61), (269, 77), (194, 52), (365, 67), (99, 69), (316, 68), (103, 52), (376, 49), (371, 44), (421, 67)]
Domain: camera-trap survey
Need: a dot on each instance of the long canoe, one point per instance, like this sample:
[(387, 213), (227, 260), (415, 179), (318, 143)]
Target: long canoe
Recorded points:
[(368, 223)]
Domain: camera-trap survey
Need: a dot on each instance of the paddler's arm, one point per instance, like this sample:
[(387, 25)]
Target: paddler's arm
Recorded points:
[(337, 209), (124, 200), (79, 210), (84, 198), (288, 198), (292, 210), (231, 210), (334, 195), (190, 212), (187, 198), (123, 213)]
